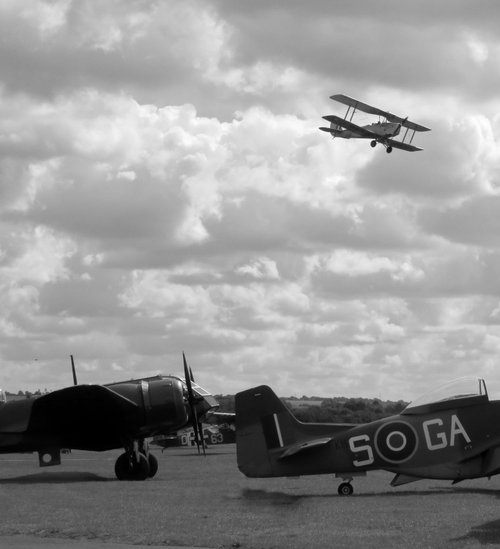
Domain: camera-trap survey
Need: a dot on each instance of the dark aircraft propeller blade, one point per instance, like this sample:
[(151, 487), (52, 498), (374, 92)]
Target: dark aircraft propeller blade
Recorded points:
[(75, 382), (197, 427)]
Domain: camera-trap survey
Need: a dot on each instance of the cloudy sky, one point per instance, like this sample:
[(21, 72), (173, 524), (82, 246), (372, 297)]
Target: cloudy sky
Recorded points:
[(164, 187)]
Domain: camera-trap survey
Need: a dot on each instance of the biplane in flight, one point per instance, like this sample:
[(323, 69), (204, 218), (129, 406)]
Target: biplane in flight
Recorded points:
[(383, 131), (453, 433)]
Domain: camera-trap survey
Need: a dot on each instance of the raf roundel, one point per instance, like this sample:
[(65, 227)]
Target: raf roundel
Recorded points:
[(396, 441)]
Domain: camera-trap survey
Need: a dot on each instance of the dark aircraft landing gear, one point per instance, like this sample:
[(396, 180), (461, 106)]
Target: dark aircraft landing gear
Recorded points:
[(131, 467), (153, 465), (136, 463), (345, 489), (373, 143), (388, 150)]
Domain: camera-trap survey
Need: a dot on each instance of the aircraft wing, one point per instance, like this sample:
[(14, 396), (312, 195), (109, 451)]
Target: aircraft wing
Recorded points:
[(408, 123), (83, 406), (363, 132), (359, 105), (402, 145)]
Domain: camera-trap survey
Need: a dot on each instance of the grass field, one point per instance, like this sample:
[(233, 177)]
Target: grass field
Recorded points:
[(207, 502)]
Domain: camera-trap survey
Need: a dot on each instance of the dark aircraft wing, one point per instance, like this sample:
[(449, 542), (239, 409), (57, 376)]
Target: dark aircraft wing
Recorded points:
[(88, 407), (363, 132)]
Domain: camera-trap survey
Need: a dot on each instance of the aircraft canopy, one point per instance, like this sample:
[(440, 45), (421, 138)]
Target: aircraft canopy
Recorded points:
[(465, 391)]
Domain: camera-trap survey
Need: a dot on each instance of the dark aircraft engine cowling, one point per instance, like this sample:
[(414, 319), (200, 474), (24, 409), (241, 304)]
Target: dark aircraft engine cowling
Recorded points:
[(166, 403)]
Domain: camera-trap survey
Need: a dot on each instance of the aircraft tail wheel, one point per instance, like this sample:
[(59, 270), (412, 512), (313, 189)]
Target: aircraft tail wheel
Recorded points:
[(373, 143), (129, 468), (153, 465), (345, 489), (389, 149)]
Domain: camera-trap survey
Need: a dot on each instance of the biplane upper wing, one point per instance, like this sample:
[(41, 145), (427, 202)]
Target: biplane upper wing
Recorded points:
[(407, 123), (363, 132), (359, 105)]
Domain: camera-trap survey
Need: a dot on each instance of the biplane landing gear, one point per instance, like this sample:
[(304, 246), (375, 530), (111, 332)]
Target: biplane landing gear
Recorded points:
[(388, 150), (345, 489), (373, 143)]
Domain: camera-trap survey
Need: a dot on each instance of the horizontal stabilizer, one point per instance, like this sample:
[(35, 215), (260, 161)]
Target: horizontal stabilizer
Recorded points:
[(295, 449), (401, 479), (328, 130)]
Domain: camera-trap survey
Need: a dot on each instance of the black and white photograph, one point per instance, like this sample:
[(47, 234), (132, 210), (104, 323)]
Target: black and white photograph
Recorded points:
[(249, 274)]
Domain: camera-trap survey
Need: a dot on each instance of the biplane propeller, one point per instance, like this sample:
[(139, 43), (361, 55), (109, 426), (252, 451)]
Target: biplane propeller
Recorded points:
[(453, 433), (104, 417), (388, 126)]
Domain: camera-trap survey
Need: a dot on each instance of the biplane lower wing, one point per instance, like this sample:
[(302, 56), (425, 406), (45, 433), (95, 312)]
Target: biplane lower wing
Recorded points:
[(362, 132), (402, 145)]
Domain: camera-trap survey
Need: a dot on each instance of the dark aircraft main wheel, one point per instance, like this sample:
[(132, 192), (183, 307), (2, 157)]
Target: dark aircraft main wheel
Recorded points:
[(345, 489), (389, 150), (373, 143), (131, 469), (153, 465)]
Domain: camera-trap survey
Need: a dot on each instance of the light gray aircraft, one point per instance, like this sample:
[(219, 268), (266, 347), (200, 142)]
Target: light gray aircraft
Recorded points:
[(383, 131)]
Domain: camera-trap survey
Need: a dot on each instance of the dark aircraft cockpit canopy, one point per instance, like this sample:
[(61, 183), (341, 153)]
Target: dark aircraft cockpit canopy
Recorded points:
[(465, 391)]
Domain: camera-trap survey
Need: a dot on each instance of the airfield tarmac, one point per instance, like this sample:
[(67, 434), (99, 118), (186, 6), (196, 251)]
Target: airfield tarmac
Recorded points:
[(206, 502)]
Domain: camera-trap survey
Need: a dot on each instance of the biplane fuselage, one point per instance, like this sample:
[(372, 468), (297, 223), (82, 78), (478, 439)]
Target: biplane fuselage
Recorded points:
[(382, 129)]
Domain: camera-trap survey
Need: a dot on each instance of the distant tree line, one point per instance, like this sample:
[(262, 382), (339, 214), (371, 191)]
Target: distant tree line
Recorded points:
[(26, 394), (331, 410)]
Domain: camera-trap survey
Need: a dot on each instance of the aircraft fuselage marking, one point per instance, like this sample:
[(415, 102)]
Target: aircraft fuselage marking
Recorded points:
[(278, 430), (397, 441), (357, 449), (436, 439)]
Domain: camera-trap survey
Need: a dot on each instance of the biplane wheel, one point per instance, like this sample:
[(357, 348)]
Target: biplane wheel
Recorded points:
[(153, 465), (373, 143), (388, 150), (130, 469), (345, 489)]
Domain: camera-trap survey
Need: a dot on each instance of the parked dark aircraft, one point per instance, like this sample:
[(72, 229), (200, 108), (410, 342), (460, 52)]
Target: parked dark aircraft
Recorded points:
[(451, 434), (104, 417)]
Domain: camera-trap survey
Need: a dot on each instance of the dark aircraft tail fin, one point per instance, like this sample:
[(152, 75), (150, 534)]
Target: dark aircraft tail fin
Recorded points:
[(271, 442)]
